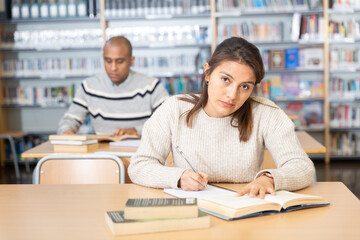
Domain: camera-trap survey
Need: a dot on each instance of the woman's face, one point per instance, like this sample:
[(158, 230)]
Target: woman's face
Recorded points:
[(230, 85)]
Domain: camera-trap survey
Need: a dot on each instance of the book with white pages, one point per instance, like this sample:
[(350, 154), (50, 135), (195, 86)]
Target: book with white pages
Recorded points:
[(126, 143), (226, 204), (73, 142)]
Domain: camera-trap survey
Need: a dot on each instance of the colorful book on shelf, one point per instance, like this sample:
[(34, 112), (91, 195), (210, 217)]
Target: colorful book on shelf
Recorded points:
[(231, 207), (291, 58), (119, 225), (277, 59), (152, 208)]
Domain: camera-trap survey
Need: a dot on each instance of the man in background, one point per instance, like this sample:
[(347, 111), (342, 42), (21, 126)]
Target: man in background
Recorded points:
[(118, 101)]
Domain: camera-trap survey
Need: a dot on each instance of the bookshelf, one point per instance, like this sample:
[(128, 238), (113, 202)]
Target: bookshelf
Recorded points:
[(344, 83), (153, 29)]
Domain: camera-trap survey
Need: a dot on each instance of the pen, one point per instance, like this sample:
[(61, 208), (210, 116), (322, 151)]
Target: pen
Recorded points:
[(184, 157)]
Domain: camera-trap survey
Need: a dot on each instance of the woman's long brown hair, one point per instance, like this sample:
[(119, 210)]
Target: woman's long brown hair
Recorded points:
[(232, 49)]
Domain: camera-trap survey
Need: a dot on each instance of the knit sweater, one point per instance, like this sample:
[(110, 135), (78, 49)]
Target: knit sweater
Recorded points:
[(110, 107), (212, 146)]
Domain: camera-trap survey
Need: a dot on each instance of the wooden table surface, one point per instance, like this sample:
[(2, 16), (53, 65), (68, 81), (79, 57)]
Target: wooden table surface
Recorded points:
[(309, 144), (77, 212)]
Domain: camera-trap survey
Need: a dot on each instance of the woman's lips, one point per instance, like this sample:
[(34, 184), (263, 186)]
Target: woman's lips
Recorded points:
[(226, 104)]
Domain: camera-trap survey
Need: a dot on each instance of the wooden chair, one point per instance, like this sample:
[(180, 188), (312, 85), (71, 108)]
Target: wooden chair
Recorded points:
[(79, 169)]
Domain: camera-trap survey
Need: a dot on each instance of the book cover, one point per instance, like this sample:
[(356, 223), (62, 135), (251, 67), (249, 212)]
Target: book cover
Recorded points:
[(119, 225), (89, 148), (150, 208), (231, 207), (291, 58), (277, 59)]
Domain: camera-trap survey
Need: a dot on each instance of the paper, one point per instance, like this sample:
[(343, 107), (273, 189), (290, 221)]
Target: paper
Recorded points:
[(126, 143), (209, 191)]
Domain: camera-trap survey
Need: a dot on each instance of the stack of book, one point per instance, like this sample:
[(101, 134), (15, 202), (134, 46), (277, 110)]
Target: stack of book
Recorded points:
[(146, 215), (74, 143)]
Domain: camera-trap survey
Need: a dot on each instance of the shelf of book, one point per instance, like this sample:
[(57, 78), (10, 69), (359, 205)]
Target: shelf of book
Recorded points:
[(342, 129), (265, 13), (47, 49), (160, 46), (50, 20), (33, 106), (69, 77), (283, 99), (157, 17)]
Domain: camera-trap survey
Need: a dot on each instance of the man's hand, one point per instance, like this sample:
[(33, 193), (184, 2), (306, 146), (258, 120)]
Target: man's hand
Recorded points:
[(70, 131), (125, 131), (191, 181), (259, 187)]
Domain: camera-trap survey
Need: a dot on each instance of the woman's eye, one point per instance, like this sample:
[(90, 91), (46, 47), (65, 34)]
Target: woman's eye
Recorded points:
[(245, 87), (224, 79)]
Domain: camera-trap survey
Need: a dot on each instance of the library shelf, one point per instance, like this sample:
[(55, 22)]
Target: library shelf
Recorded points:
[(344, 41), (298, 99), (49, 49), (344, 129), (47, 20), (262, 13), (166, 45), (157, 17), (283, 71), (344, 11), (339, 157), (348, 70), (17, 106), (311, 129), (173, 74), (280, 43), (343, 100), (69, 77)]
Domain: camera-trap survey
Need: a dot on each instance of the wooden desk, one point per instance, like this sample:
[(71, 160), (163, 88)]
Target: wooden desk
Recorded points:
[(309, 144), (77, 212)]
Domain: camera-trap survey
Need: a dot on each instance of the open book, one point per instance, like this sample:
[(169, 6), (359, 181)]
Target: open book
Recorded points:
[(110, 138), (225, 204), (229, 206)]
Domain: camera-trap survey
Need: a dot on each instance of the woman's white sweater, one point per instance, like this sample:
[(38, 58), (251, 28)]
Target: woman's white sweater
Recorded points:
[(212, 146)]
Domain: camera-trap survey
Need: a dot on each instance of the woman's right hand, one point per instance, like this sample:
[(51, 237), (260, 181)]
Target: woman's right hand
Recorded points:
[(191, 181)]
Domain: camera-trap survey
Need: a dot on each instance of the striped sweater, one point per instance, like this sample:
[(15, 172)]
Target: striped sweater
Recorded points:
[(212, 146), (110, 107)]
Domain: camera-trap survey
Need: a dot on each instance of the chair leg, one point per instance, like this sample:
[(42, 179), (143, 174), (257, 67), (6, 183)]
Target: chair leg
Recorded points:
[(16, 165)]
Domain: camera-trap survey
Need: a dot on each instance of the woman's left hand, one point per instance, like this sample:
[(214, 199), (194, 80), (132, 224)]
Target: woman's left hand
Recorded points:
[(259, 187)]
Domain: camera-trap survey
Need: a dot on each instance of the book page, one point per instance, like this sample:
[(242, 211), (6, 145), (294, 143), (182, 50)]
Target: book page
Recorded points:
[(282, 197), (209, 191), (232, 201)]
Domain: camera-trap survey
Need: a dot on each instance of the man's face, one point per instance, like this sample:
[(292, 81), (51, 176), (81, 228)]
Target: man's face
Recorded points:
[(117, 63)]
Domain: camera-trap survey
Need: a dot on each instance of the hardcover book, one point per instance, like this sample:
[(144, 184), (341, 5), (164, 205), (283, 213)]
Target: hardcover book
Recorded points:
[(230, 207), (150, 208), (277, 59), (119, 225)]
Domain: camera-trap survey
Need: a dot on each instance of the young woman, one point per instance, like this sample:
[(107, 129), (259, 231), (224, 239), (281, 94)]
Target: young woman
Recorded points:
[(223, 132)]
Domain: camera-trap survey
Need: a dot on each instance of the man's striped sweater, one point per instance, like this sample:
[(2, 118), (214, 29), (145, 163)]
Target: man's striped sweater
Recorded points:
[(110, 107)]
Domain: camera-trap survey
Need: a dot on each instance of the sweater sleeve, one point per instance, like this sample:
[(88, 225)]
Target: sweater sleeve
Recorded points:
[(158, 96), (294, 168), (147, 166), (77, 113)]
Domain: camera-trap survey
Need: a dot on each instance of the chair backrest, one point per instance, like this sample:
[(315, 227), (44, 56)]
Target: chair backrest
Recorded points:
[(79, 169)]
